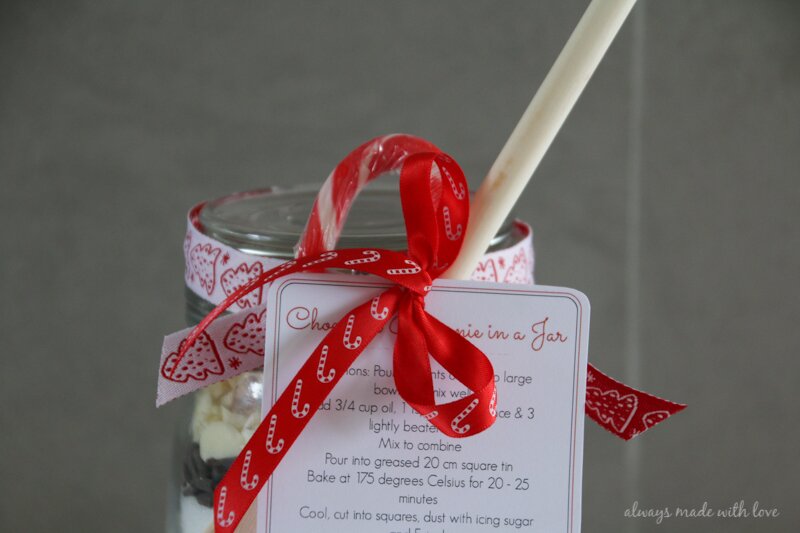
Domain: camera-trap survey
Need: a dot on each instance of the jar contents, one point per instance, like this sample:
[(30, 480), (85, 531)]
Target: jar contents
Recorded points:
[(226, 414)]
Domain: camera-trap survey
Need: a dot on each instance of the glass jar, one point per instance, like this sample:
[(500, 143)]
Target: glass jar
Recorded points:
[(266, 225)]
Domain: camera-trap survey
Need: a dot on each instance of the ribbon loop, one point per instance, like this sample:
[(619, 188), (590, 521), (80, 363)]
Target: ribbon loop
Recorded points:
[(423, 336), (435, 215)]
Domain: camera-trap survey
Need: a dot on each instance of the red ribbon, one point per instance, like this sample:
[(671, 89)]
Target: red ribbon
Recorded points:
[(436, 215)]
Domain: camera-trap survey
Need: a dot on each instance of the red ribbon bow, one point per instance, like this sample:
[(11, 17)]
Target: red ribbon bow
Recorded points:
[(436, 213), (436, 210)]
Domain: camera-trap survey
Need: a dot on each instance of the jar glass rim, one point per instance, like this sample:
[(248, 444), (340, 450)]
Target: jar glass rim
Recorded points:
[(269, 221)]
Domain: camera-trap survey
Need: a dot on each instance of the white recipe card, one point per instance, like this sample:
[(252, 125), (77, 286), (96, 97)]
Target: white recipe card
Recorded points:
[(366, 463)]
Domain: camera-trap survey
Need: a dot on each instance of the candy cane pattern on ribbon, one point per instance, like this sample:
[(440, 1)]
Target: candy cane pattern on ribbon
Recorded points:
[(280, 270), (327, 256), (221, 520), (350, 344), (493, 404), (273, 447), (415, 269), (430, 416), (373, 256), (448, 226), (296, 412), (458, 190), (323, 357), (373, 309), (461, 416), (253, 483), (285, 266)]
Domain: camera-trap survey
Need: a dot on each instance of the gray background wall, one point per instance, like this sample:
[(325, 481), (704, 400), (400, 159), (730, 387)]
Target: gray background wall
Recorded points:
[(670, 198)]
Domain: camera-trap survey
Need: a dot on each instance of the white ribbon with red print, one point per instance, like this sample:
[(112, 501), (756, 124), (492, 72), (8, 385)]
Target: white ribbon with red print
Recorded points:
[(214, 270)]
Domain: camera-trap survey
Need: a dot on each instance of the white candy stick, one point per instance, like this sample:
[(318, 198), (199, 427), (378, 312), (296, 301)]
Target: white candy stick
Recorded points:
[(538, 127)]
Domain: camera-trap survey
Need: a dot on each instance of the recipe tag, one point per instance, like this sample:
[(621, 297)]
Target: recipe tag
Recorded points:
[(367, 463)]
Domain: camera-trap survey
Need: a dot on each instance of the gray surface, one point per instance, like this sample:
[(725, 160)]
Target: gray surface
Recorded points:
[(670, 198)]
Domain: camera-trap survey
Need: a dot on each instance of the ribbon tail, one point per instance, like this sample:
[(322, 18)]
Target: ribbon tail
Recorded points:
[(623, 410), (232, 345), (293, 410), (421, 336)]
